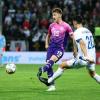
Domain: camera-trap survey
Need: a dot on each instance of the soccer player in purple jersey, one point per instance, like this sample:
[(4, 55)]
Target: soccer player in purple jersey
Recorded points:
[(55, 44)]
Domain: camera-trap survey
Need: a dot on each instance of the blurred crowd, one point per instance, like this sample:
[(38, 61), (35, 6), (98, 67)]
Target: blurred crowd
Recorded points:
[(29, 19)]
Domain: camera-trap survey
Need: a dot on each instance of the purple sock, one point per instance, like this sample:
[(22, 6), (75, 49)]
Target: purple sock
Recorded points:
[(50, 72), (48, 68), (48, 65)]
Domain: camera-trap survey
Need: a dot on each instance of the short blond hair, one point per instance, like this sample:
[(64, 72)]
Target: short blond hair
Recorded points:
[(57, 10)]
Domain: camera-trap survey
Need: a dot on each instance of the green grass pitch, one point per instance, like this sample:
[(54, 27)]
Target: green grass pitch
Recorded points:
[(24, 85)]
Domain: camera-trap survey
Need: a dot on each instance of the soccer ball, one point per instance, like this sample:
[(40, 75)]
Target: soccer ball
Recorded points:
[(10, 68)]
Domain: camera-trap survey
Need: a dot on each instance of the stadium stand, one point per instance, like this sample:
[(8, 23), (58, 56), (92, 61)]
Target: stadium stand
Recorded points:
[(28, 20)]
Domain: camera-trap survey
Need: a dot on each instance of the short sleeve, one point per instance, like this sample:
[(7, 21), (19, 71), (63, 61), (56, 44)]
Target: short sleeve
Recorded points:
[(77, 36), (49, 30), (69, 30)]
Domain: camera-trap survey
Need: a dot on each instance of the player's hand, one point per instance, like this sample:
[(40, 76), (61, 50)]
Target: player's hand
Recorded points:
[(46, 46)]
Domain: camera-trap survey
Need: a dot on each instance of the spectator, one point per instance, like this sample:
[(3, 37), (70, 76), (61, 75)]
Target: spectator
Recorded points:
[(29, 19), (8, 20)]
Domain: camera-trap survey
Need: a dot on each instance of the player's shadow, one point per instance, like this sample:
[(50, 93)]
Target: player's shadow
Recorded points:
[(43, 91)]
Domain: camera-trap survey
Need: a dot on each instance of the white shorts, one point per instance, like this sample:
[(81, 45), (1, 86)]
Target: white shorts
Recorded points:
[(79, 63)]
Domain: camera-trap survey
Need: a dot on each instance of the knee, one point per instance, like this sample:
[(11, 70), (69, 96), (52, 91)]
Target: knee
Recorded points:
[(54, 58), (63, 65)]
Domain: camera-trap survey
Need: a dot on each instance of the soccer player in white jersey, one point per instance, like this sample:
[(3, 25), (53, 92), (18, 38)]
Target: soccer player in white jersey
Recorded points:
[(84, 52), (2, 45)]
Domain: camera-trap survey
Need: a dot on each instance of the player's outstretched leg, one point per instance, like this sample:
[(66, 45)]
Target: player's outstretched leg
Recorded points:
[(47, 68), (39, 72), (66, 64), (94, 75), (45, 81), (59, 72)]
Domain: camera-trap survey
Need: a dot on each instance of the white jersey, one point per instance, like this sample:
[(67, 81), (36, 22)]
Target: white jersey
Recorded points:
[(84, 34)]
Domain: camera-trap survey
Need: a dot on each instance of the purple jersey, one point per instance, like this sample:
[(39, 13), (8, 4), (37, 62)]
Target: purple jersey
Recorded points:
[(57, 33)]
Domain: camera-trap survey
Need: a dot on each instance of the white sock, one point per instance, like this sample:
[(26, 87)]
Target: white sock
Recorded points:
[(57, 73), (97, 78)]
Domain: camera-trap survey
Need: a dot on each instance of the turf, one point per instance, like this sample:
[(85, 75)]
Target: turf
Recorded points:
[(24, 85)]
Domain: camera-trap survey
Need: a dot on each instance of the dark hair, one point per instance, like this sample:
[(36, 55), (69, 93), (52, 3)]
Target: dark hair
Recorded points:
[(78, 19), (57, 10)]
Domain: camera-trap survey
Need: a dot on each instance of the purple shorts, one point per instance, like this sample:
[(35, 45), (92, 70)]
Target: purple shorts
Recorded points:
[(58, 52)]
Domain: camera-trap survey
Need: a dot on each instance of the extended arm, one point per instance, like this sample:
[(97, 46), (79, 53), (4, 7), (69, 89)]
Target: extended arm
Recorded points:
[(83, 48), (74, 48), (74, 45), (47, 41)]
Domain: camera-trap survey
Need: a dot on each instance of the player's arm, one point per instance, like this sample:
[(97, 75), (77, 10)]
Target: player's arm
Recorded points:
[(74, 44), (71, 34), (48, 38), (83, 48), (47, 41), (78, 39), (74, 48)]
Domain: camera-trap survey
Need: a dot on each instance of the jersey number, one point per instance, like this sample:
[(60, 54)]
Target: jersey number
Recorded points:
[(59, 54), (56, 33), (90, 42)]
